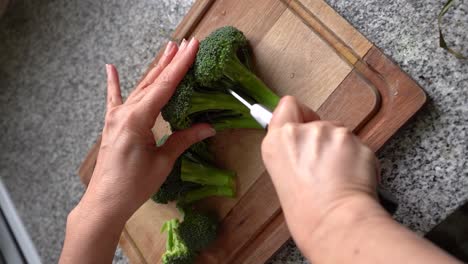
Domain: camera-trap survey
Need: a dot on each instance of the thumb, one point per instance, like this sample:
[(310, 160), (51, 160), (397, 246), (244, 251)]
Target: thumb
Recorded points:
[(180, 141), (289, 110)]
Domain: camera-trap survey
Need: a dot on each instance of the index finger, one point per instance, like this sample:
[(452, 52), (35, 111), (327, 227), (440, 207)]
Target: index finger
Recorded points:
[(161, 90), (289, 110)]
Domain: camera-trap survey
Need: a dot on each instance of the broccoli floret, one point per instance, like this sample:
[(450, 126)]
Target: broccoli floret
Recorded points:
[(177, 251), (186, 239), (197, 230), (219, 63), (171, 188), (193, 179), (201, 150), (192, 103)]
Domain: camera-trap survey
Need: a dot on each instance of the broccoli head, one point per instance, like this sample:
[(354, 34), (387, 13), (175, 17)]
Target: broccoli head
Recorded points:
[(192, 103), (202, 151), (197, 230), (177, 251), (193, 179), (220, 63), (171, 188)]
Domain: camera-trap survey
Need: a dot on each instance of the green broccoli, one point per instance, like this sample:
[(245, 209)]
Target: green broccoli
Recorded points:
[(177, 251), (185, 239), (173, 187), (192, 103), (220, 63), (197, 230), (200, 193), (201, 150), (192, 179)]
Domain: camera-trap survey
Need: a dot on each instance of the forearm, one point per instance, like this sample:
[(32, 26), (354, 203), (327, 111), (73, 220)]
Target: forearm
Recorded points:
[(359, 237), (91, 236)]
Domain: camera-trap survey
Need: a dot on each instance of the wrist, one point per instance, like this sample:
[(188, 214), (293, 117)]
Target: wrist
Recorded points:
[(343, 224), (92, 234), (92, 214)]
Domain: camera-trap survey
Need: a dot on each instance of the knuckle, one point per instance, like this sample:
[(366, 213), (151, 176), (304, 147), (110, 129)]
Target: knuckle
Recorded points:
[(130, 117), (319, 125), (317, 128), (165, 80), (289, 100), (342, 134), (290, 129), (343, 131), (143, 84), (290, 133), (111, 117)]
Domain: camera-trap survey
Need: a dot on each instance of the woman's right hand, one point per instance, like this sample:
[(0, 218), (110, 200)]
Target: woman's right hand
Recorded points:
[(323, 174)]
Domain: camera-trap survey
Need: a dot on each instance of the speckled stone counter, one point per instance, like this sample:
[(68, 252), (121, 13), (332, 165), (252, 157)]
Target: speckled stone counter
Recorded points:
[(52, 79)]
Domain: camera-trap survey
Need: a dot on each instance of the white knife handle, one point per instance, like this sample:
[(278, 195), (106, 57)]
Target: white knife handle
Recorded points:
[(261, 114)]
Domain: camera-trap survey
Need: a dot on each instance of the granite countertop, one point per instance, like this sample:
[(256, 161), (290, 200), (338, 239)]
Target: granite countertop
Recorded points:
[(52, 80)]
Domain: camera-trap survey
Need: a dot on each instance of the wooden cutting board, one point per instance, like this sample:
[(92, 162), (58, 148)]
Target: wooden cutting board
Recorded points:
[(301, 48)]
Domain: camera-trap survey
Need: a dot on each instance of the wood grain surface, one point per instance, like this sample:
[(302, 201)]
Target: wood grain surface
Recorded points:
[(302, 48)]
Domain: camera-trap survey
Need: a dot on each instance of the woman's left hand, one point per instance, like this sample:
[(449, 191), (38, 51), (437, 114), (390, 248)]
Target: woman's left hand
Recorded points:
[(130, 168)]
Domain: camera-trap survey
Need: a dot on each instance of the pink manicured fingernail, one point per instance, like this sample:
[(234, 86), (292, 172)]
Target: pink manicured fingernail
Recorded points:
[(192, 41), (169, 47), (183, 44), (206, 133), (108, 70)]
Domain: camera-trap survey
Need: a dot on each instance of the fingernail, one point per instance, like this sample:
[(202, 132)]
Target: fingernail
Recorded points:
[(169, 47), (192, 41), (108, 69), (206, 133), (183, 44)]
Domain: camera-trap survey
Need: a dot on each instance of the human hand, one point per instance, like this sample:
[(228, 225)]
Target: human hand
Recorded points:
[(129, 167), (321, 171)]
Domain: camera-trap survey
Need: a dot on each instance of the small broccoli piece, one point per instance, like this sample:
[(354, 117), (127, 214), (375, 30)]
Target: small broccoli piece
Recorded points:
[(192, 179), (192, 103), (201, 150), (197, 230), (177, 251), (219, 63), (197, 171), (171, 189), (203, 192)]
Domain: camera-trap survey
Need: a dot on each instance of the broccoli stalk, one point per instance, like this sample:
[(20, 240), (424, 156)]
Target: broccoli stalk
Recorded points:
[(193, 179), (192, 103), (213, 181), (205, 192), (202, 173), (205, 107), (219, 63), (177, 251), (207, 101), (250, 84)]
